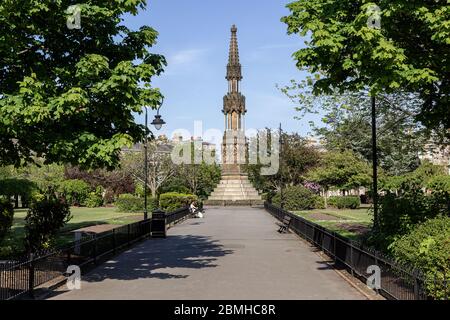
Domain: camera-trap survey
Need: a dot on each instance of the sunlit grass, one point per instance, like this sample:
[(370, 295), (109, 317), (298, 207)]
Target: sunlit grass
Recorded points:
[(81, 217)]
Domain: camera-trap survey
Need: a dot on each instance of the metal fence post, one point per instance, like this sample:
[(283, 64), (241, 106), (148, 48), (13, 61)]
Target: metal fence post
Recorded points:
[(416, 285), (114, 240), (31, 276), (95, 249), (128, 236)]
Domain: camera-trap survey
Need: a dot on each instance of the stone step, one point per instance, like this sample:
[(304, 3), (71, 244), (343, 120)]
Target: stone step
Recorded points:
[(236, 189), (233, 198), (225, 203), (233, 192)]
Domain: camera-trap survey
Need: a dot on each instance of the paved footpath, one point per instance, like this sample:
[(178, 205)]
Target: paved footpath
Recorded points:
[(233, 253)]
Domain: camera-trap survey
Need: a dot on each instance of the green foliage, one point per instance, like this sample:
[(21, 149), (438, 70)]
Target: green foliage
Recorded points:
[(427, 248), (132, 203), (129, 203), (75, 191), (6, 217), (410, 205), (345, 202), (296, 198), (342, 170), (70, 95), (345, 54), (297, 158), (43, 221), (346, 124), (18, 187), (173, 201), (439, 184), (420, 177), (93, 200), (174, 184)]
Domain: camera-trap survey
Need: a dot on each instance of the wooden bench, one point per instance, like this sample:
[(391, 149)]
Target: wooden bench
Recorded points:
[(284, 226)]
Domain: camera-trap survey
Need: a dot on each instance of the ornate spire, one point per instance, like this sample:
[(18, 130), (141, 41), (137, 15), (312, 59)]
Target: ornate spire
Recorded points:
[(234, 67)]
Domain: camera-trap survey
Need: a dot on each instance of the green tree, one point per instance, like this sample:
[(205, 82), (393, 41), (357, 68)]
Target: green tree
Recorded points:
[(346, 124), (69, 95), (341, 170), (410, 51), (43, 221), (296, 159)]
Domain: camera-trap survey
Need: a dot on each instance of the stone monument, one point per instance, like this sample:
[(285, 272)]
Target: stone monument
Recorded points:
[(234, 187)]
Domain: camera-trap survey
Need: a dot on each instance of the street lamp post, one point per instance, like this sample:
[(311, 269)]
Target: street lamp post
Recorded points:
[(146, 164), (158, 122), (374, 163), (281, 171)]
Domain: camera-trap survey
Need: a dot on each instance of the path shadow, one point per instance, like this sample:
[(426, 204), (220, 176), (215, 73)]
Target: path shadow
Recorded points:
[(161, 259)]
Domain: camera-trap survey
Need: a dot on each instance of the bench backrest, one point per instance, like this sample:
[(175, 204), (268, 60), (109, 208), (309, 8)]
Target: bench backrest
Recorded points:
[(287, 219)]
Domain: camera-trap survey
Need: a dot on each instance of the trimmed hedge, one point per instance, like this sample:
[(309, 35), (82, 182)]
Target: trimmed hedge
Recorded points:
[(345, 202), (298, 198), (131, 203), (172, 201)]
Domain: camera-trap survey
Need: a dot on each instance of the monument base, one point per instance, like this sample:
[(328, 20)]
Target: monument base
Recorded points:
[(234, 190)]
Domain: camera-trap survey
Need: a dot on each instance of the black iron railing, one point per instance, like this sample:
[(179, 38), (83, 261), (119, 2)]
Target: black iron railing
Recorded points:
[(397, 281), (22, 276)]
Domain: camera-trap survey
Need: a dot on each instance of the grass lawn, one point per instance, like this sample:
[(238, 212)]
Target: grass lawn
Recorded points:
[(82, 217), (349, 223)]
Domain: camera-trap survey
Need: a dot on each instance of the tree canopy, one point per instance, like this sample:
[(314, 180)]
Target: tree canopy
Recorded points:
[(67, 94), (410, 51), (346, 124), (342, 170)]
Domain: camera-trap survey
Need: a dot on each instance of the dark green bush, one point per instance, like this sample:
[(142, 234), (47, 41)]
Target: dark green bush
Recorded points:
[(439, 186), (6, 217), (43, 221), (297, 198), (93, 200), (75, 191), (18, 187), (173, 201), (427, 248), (345, 202), (129, 203)]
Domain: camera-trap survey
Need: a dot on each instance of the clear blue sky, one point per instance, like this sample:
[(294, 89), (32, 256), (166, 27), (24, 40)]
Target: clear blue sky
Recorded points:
[(194, 37)]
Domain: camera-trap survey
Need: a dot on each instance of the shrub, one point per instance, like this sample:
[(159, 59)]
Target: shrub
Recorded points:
[(131, 203), (6, 217), (43, 221), (297, 198), (440, 194), (426, 247), (75, 191), (93, 200), (172, 201), (319, 202), (345, 202)]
